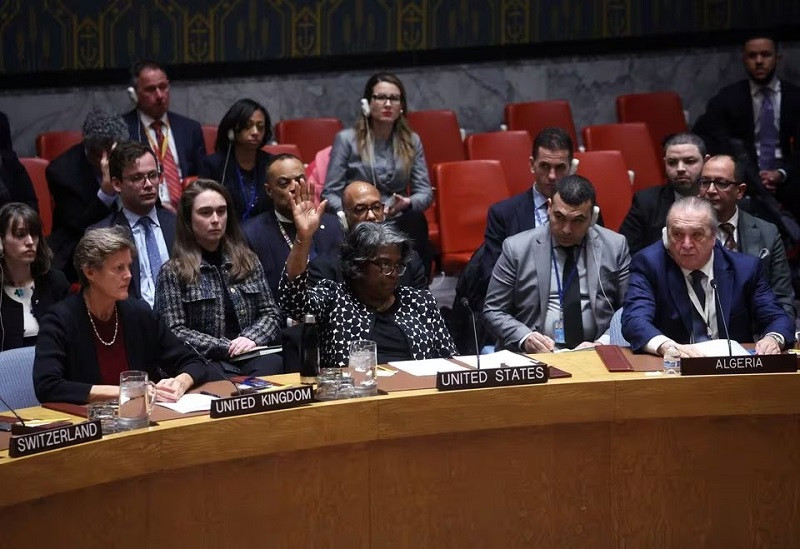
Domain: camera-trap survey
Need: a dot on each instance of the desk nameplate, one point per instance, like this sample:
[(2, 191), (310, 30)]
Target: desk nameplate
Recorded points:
[(492, 377), (52, 439), (751, 364), (261, 402)]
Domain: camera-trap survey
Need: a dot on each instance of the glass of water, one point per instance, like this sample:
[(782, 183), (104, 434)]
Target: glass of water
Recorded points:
[(362, 366), (136, 397)]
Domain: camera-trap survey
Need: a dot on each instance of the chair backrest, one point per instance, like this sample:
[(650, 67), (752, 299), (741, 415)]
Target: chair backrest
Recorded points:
[(16, 378), (309, 134), (634, 142), (609, 176), (465, 191), (36, 168), (317, 171), (282, 148), (51, 144), (661, 111), (210, 137), (511, 148), (534, 116), (440, 135)]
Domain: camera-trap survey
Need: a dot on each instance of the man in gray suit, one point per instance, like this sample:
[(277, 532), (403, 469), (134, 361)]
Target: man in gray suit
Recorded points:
[(721, 183), (557, 286)]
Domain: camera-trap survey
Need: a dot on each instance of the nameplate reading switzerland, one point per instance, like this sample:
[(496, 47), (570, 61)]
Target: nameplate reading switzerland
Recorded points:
[(240, 405), (754, 364), (52, 439), (492, 377)]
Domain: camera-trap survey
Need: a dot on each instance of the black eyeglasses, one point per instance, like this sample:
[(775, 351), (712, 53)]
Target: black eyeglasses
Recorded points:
[(381, 98), (153, 177), (362, 209), (387, 268), (720, 183)]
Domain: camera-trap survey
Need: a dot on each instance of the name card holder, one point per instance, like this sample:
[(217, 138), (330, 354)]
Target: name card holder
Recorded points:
[(493, 377), (240, 405), (52, 439), (751, 364)]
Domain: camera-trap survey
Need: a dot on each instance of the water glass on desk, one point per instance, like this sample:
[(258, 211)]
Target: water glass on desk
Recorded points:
[(363, 366), (106, 413), (136, 397)]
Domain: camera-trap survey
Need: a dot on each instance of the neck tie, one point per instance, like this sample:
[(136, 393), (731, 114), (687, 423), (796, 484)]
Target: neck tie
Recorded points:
[(730, 241), (571, 306), (171, 173), (699, 328), (768, 133), (153, 256)]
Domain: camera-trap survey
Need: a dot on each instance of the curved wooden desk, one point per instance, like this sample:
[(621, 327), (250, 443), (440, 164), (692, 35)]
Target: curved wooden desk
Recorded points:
[(600, 460)]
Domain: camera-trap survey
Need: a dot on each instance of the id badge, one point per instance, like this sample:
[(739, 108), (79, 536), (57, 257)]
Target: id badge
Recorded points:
[(558, 332)]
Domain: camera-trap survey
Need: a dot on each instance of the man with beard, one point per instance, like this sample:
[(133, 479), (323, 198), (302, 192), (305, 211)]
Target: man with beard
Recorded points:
[(684, 155)]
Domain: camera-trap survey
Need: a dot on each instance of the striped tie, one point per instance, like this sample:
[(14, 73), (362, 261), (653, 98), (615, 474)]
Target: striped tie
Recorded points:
[(171, 173)]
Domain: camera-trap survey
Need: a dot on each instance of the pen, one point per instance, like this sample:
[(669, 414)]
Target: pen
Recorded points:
[(209, 394)]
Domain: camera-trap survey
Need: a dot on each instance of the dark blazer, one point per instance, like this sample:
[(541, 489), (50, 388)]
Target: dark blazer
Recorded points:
[(188, 139), (65, 367), (15, 183), (329, 267), (658, 303), (647, 216), (5, 133), (211, 167), (506, 218), (166, 219), (49, 288), (265, 238), (73, 185)]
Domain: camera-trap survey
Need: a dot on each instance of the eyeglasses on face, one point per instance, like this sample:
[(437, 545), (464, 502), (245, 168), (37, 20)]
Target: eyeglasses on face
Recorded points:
[(382, 98), (153, 177), (362, 209), (720, 183), (387, 268)]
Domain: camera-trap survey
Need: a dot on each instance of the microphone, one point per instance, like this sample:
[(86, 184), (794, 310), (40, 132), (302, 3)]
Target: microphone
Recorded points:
[(13, 411), (231, 135), (236, 390), (722, 315), (465, 303)]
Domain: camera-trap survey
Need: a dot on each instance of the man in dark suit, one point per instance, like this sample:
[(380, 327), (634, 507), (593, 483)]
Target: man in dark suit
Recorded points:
[(176, 140), (671, 291), (81, 186), (135, 177), (722, 184), (684, 154), (271, 234), (759, 117)]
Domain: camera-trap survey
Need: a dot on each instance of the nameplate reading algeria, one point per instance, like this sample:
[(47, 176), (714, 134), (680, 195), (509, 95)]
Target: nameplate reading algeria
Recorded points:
[(261, 402), (751, 364), (51, 439), (492, 377)]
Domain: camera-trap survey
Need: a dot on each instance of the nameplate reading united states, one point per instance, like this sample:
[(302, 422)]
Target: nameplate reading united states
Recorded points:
[(492, 377), (52, 439), (754, 364), (240, 405)]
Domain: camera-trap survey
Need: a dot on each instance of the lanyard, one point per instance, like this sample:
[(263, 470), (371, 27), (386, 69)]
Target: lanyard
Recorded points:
[(701, 309), (249, 203), (164, 142), (567, 282)]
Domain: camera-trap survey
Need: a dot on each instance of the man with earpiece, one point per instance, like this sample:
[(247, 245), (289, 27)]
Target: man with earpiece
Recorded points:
[(689, 288), (176, 140), (557, 286)]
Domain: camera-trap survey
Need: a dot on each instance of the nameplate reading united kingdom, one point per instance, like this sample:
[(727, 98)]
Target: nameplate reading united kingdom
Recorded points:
[(750, 364), (52, 439), (492, 377), (240, 405)]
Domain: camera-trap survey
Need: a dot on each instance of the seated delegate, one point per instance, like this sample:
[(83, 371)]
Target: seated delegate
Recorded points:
[(87, 339)]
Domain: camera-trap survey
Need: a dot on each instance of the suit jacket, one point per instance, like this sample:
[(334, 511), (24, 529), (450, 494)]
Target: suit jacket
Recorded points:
[(647, 216), (658, 300), (73, 185), (167, 221), (507, 217), (213, 165), (5, 133), (188, 136), (50, 287), (761, 239), (265, 238), (15, 183), (519, 290), (66, 367)]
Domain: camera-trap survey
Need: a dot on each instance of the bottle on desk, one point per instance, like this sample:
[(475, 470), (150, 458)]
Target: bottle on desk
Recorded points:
[(672, 360), (309, 351)]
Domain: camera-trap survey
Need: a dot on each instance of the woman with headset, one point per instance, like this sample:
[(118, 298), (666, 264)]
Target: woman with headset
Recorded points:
[(382, 150), (239, 162), (30, 286)]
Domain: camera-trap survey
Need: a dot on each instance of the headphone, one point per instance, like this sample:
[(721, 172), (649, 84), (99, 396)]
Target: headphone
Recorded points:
[(343, 220), (132, 95), (365, 107), (664, 238), (595, 215)]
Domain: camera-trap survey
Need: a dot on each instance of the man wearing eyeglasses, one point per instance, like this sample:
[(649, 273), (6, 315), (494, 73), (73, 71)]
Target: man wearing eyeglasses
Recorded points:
[(135, 178), (271, 234), (361, 201), (721, 183)]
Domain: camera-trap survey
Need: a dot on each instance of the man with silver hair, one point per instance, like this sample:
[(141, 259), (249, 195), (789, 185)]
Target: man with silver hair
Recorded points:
[(80, 185)]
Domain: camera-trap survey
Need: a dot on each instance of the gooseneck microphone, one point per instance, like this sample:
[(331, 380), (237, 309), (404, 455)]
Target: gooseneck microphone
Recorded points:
[(722, 315), (465, 303), (13, 411), (236, 390)]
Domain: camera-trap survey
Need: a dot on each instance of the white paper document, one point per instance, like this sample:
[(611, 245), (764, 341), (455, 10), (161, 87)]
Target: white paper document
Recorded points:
[(428, 367), (719, 347), (497, 360), (190, 402)]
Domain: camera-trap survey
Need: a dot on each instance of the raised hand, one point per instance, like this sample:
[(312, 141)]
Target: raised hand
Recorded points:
[(307, 217)]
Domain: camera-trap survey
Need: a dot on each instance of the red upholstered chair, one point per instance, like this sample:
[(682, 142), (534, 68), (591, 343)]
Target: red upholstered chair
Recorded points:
[(661, 111), (283, 148), (210, 137), (534, 116), (511, 148), (609, 176), (51, 144), (36, 171), (309, 134), (634, 142), (465, 191)]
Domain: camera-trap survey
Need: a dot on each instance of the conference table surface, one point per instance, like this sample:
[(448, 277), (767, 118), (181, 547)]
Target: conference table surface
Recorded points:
[(618, 459)]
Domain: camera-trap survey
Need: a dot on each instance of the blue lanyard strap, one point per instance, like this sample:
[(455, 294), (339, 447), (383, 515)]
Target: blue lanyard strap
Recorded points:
[(568, 281), (249, 203)]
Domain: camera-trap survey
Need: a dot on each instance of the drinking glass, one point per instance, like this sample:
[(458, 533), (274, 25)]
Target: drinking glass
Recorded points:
[(363, 365), (136, 397)]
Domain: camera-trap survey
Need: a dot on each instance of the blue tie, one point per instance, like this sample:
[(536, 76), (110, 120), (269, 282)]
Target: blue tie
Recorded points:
[(153, 256), (768, 133)]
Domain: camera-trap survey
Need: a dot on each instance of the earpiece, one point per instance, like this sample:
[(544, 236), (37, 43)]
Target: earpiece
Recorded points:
[(342, 220), (595, 215), (365, 107), (573, 166), (664, 239), (132, 95), (231, 134)]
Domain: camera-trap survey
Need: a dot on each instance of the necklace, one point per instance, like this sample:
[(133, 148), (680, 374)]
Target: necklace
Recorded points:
[(116, 326), (385, 305)]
